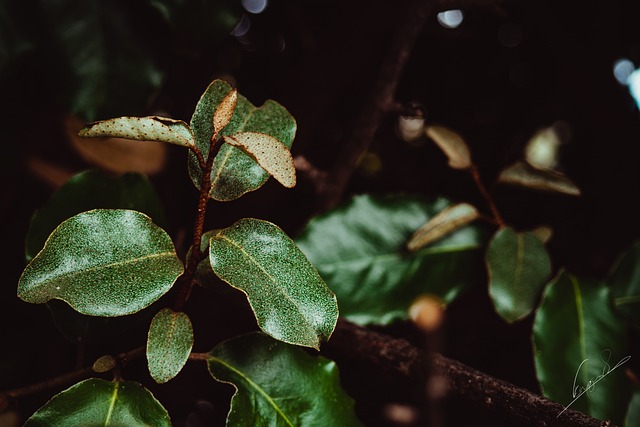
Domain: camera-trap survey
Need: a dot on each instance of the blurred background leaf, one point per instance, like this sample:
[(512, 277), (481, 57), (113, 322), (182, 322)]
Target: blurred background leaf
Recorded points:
[(360, 250)]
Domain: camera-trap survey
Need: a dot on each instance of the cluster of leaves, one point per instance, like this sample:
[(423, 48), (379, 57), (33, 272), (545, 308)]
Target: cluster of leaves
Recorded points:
[(581, 327), (105, 258), (377, 254)]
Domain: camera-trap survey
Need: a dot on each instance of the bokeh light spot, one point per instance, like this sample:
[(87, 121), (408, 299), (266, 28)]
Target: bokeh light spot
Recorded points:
[(254, 6), (451, 18), (622, 70)]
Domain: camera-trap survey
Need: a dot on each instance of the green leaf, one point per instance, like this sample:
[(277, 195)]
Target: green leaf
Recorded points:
[(359, 250), (105, 67), (280, 385), (578, 342), (86, 191), (522, 174), (234, 173), (151, 128), (169, 344), (287, 295), (519, 267), (633, 412), (92, 190), (624, 281), (95, 402), (104, 262), (269, 153)]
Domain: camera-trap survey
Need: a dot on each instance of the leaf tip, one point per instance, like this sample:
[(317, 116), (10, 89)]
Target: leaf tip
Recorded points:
[(224, 111), (452, 145)]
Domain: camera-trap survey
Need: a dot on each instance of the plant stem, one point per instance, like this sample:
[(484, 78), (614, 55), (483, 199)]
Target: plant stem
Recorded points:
[(187, 280), (398, 358), (201, 161), (199, 356), (487, 197), (54, 383), (380, 102)]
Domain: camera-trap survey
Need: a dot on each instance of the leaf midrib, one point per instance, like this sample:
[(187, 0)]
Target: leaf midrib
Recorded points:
[(112, 404), (519, 259), (581, 328), (254, 261), (68, 275), (254, 386)]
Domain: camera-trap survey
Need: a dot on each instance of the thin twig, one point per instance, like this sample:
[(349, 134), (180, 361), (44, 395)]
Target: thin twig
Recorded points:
[(60, 381), (382, 96), (317, 177), (201, 161), (52, 383), (485, 194), (380, 102), (199, 356), (401, 359)]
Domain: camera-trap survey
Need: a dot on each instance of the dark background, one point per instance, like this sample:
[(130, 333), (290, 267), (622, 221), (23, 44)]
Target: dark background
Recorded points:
[(320, 60)]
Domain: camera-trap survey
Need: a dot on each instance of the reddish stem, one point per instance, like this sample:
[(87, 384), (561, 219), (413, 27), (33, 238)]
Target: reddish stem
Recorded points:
[(487, 197), (188, 278)]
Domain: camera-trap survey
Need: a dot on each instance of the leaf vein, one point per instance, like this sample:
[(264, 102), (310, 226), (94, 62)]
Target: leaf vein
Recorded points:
[(256, 387), (275, 282), (112, 404), (105, 266)]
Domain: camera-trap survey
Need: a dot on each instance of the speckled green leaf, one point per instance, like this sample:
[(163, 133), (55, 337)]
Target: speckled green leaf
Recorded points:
[(359, 250), (633, 411), (235, 173), (152, 128), (273, 156), (204, 275), (93, 190), (280, 385), (104, 262), (287, 295), (86, 191), (624, 281), (519, 267), (578, 338), (95, 402), (169, 344)]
